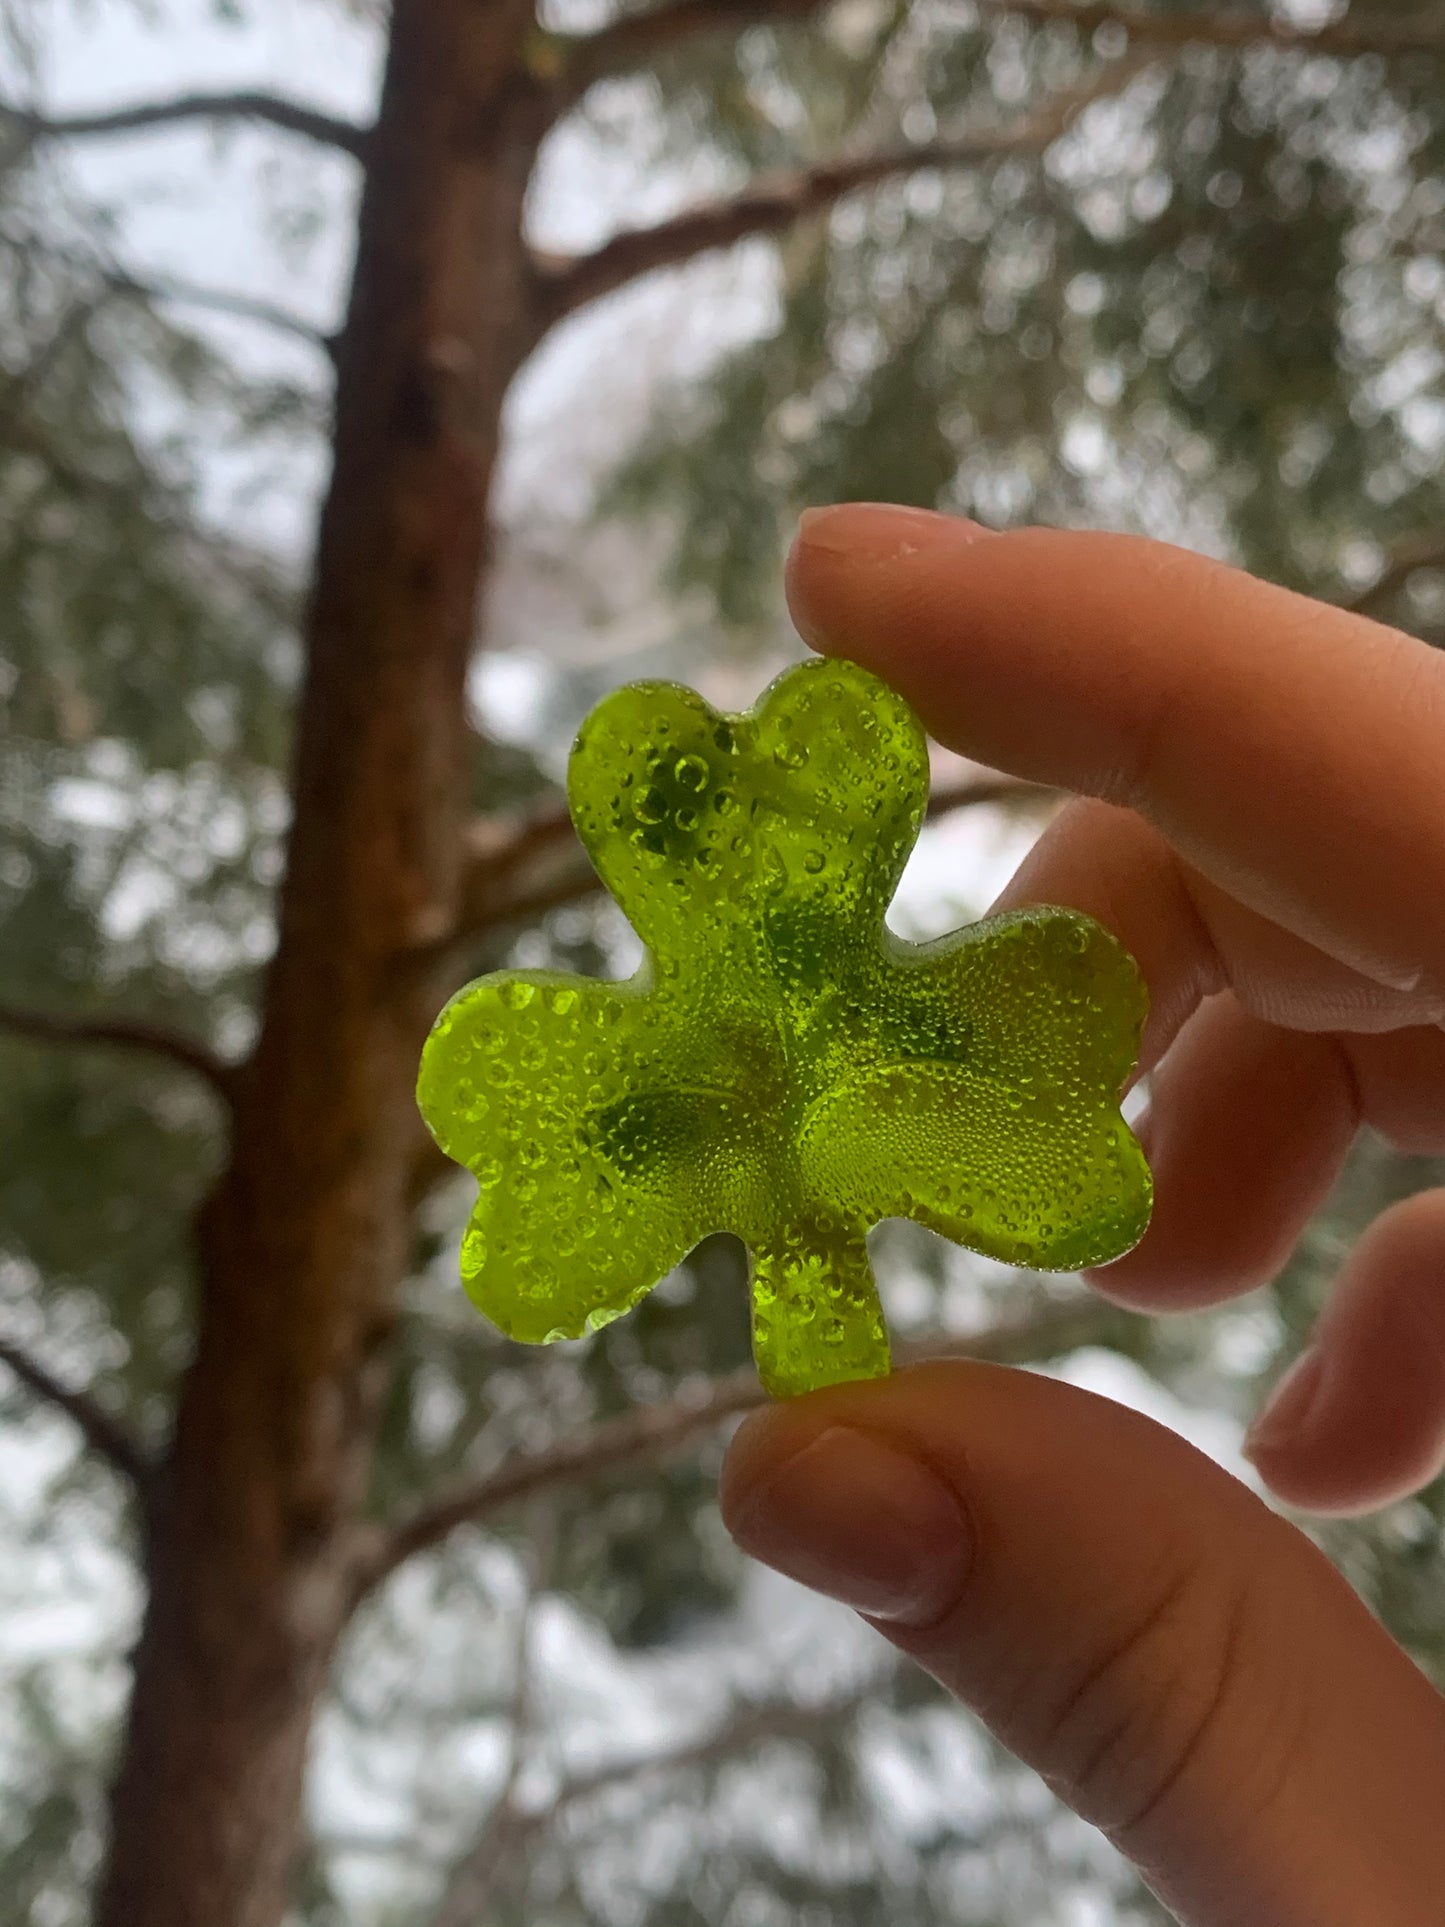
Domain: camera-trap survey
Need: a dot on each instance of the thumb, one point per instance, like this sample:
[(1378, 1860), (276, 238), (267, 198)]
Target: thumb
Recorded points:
[(1183, 1667)]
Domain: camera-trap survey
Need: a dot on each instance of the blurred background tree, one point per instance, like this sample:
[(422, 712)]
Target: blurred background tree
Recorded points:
[(322, 1602)]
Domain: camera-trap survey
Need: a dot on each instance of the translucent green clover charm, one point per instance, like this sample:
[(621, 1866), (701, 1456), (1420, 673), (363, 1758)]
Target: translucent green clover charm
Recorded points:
[(781, 1066)]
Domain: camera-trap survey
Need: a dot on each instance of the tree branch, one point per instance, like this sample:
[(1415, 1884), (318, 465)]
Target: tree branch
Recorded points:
[(638, 38), (1232, 27), (244, 307), (168, 288), (289, 115), (751, 1723), (619, 1442), (764, 1720), (125, 1034), (105, 1436), (772, 204), (501, 861)]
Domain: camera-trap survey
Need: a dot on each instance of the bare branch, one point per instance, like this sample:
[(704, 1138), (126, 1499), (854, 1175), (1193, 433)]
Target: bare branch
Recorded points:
[(640, 1434), (274, 109), (125, 1034), (105, 1436), (1419, 552), (503, 859), (749, 1725), (1232, 27), (245, 307), (772, 204), (638, 38), (169, 288), (765, 1720)]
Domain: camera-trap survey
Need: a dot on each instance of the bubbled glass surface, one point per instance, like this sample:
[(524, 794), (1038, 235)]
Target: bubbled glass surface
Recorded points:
[(781, 1066)]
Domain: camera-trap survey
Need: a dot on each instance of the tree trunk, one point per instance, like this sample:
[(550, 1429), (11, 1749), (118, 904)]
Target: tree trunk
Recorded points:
[(304, 1243)]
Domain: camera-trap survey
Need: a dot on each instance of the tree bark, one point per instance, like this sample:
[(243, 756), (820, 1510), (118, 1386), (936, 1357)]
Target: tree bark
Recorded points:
[(304, 1242)]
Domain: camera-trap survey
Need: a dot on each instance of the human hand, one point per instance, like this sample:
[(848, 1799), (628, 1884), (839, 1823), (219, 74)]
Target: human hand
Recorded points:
[(1261, 819)]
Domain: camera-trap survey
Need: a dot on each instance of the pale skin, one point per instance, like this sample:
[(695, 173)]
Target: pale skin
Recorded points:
[(1259, 814)]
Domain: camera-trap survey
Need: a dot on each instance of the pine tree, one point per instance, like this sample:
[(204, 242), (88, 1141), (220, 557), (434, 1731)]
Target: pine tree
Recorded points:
[(1164, 267)]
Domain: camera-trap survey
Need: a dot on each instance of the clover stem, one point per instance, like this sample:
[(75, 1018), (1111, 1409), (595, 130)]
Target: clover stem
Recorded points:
[(816, 1316)]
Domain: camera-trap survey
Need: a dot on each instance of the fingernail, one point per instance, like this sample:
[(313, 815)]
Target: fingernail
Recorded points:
[(882, 531), (862, 1522), (1288, 1410)]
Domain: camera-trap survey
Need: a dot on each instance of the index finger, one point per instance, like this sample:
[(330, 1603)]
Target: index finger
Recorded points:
[(1294, 753)]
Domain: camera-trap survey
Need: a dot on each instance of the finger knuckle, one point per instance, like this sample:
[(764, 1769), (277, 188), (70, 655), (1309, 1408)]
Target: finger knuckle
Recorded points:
[(1178, 1685)]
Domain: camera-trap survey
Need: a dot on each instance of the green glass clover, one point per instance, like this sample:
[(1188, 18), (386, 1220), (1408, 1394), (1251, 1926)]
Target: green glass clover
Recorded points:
[(781, 1065)]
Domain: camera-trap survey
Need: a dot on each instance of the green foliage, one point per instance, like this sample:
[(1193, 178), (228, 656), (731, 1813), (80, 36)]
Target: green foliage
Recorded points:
[(1212, 313), (146, 674)]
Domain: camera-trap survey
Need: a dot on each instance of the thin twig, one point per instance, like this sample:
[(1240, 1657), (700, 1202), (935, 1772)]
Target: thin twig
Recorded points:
[(170, 288), (245, 307), (772, 204), (106, 1436), (124, 1034), (752, 1723), (292, 116), (619, 1442), (769, 1720)]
